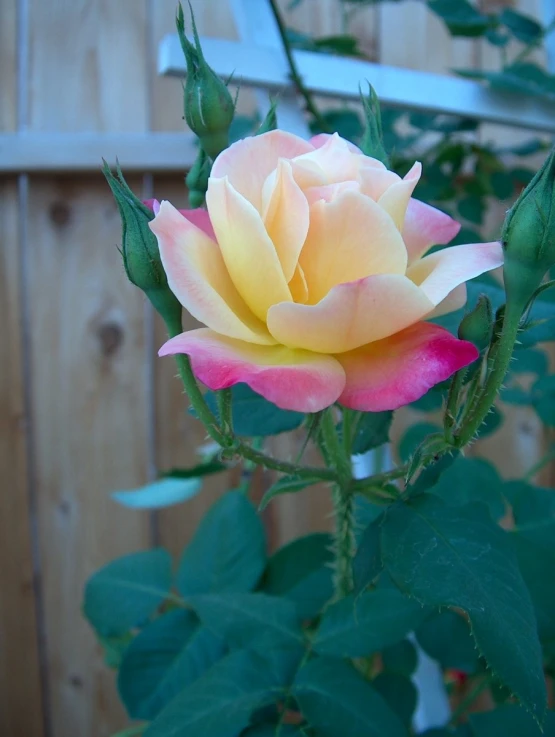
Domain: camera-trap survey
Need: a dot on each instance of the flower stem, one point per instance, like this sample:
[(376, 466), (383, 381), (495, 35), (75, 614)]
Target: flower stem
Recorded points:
[(245, 450), (344, 540), (295, 75), (499, 369)]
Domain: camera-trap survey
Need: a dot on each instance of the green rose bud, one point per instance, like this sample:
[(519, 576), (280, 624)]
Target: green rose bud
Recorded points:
[(209, 108), (529, 236), (141, 257), (477, 326), (197, 179), (371, 143), (270, 121)]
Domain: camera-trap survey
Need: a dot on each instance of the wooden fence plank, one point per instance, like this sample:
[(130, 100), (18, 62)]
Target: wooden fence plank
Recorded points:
[(21, 708), (20, 693), (89, 360)]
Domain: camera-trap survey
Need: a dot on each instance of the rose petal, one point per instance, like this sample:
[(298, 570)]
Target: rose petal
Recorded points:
[(329, 192), (200, 217), (424, 227), (298, 286), (454, 301), (349, 238), (291, 379), (396, 198), (286, 217), (153, 205), (248, 252), (351, 315), (322, 138), (248, 162), (330, 163), (438, 274), (198, 277), (398, 370)]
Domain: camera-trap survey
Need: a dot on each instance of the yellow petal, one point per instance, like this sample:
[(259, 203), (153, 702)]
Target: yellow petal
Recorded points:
[(396, 198), (286, 217), (199, 279), (247, 250), (351, 315), (298, 286), (349, 238), (333, 162), (247, 163)]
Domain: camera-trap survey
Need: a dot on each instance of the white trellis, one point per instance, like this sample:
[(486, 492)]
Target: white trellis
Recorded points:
[(257, 60)]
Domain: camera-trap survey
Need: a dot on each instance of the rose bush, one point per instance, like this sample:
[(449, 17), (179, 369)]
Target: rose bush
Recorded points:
[(309, 271)]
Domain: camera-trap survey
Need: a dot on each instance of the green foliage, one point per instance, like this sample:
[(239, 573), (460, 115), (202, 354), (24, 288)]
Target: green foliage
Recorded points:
[(459, 557), (511, 721), (127, 591), (228, 551), (400, 658), (358, 626), (222, 700), (367, 563), (250, 620), (336, 700), (301, 571), (471, 480), (285, 485), (167, 655), (445, 636), (255, 416), (460, 17), (400, 693), (413, 436), (372, 430)]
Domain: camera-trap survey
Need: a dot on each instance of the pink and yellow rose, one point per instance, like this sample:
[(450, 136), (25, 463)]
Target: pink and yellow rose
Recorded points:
[(309, 271)]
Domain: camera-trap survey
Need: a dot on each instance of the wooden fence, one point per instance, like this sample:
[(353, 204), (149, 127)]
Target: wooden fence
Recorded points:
[(85, 407)]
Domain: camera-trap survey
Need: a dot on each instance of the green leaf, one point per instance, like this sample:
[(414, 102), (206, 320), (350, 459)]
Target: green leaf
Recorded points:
[(162, 493), (203, 469), (114, 648), (250, 620), (372, 431), (472, 208), (342, 45), (399, 692), (502, 185), (413, 436), (135, 731), (254, 416), (493, 421), (460, 17), (221, 701), (228, 551), (458, 557), (543, 399), (523, 27), (530, 361), (286, 485), (336, 700), (270, 730), (530, 503), (367, 563), (301, 572), (445, 636), (168, 655), (510, 721), (357, 626), (535, 549), (431, 474), (430, 402), (127, 591), (472, 480), (400, 658)]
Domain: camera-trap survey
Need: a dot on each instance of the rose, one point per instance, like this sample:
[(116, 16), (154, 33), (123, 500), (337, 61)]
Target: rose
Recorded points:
[(309, 272)]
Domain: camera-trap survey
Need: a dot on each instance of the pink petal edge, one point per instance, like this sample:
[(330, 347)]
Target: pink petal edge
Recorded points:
[(426, 226), (292, 379), (399, 370)]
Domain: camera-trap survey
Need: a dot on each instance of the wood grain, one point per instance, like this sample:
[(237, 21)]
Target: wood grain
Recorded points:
[(20, 692), (21, 707), (89, 363)]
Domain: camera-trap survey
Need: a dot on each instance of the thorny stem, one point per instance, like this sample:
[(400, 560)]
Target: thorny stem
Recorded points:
[(495, 378), (343, 503), (295, 75)]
